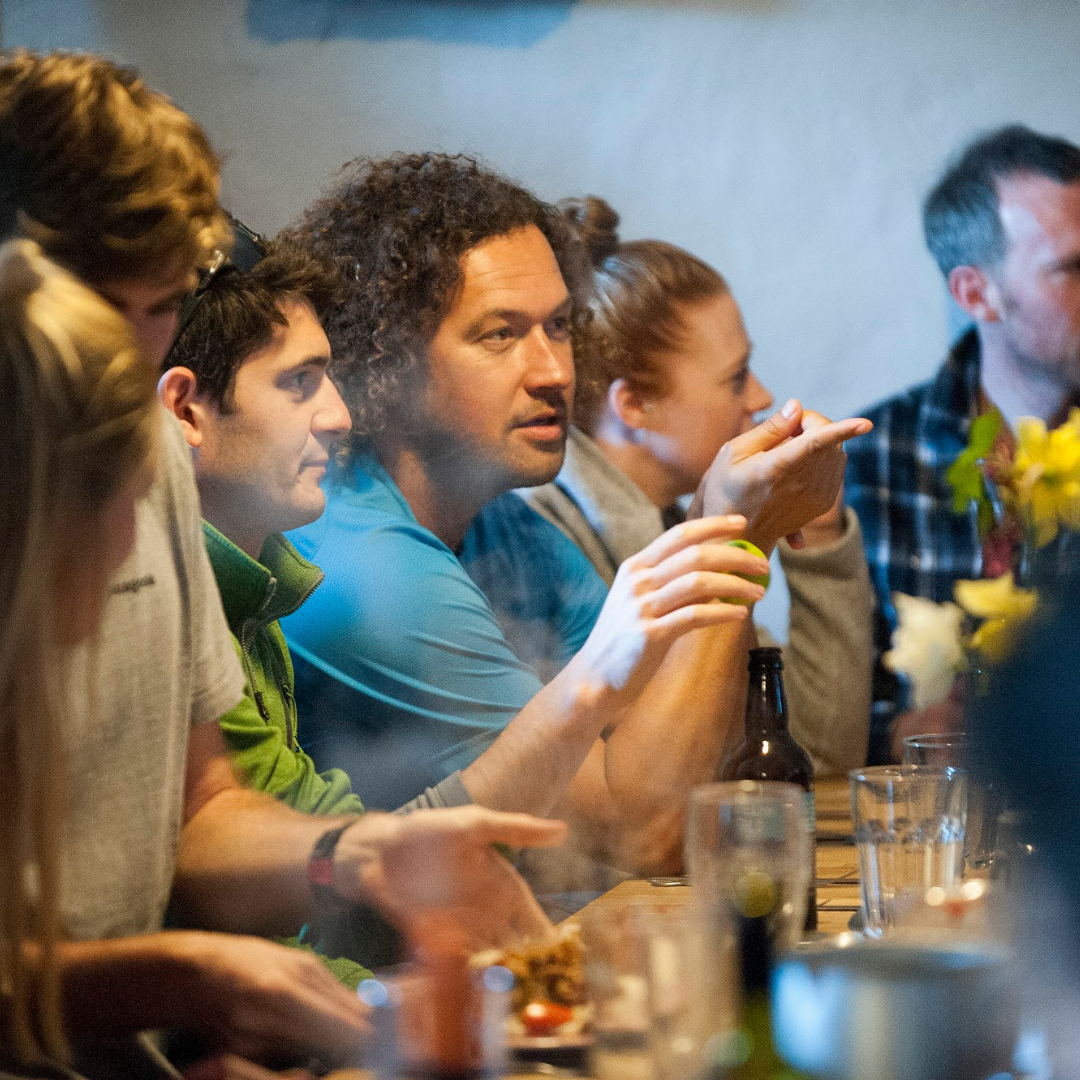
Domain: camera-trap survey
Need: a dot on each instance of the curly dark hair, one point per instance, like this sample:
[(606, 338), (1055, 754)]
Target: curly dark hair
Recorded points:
[(237, 313), (397, 230)]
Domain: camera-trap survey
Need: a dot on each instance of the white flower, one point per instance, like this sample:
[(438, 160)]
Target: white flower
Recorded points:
[(926, 647)]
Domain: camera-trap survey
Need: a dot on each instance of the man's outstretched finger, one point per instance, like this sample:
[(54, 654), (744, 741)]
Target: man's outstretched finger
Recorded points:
[(838, 431), (813, 420), (521, 830), (817, 439)]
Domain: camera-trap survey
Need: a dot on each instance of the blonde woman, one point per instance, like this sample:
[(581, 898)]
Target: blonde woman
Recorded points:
[(76, 454)]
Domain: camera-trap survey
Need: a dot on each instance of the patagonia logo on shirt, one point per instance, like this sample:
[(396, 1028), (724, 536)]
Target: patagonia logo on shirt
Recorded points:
[(133, 586)]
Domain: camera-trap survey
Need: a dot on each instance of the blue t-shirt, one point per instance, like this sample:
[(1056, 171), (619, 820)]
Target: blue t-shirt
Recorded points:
[(403, 671), (543, 589)]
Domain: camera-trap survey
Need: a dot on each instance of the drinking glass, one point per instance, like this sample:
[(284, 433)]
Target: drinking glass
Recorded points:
[(984, 802), (661, 985), (909, 832), (747, 844), (615, 974), (937, 751), (410, 1035)]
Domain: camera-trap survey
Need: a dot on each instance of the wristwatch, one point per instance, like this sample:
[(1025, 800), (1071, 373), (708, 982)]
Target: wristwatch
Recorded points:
[(320, 868)]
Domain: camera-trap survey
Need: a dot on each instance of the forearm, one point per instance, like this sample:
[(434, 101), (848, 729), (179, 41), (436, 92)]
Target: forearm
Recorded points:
[(531, 764), (242, 864), (115, 988), (244, 994), (655, 671), (109, 992), (673, 739), (829, 655)]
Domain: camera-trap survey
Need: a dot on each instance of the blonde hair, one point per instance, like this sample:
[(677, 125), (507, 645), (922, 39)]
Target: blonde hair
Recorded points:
[(107, 175), (80, 417)]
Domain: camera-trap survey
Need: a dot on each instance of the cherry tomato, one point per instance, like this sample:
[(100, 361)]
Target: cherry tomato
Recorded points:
[(543, 1017)]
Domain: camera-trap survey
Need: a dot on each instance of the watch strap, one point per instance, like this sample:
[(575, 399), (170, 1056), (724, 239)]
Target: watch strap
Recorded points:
[(320, 868)]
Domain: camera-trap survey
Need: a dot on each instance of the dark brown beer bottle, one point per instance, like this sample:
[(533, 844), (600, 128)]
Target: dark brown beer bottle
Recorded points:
[(768, 752), (750, 1053)]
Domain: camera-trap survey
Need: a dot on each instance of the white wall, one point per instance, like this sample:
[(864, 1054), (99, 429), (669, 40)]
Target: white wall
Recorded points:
[(787, 141)]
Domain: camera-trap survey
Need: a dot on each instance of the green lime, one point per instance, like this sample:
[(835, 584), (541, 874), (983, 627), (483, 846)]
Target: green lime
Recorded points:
[(757, 579), (756, 894)]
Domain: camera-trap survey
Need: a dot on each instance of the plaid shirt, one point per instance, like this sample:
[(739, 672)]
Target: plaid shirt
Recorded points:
[(896, 484)]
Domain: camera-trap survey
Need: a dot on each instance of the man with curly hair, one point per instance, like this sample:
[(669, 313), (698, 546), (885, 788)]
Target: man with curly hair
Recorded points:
[(454, 352)]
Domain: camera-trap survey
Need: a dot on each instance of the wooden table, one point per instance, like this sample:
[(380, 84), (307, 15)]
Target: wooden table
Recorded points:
[(837, 866), (837, 863), (837, 886)]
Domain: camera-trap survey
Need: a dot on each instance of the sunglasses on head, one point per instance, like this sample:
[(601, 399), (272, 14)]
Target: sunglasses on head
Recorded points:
[(248, 250)]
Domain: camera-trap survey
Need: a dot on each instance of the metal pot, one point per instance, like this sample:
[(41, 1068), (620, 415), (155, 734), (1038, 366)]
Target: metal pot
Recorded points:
[(857, 1010)]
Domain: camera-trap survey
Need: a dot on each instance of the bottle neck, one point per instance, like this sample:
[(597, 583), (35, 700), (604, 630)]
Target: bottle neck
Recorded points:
[(766, 706), (755, 954)]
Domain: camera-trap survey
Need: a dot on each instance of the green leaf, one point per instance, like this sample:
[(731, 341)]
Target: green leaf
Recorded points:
[(346, 971), (342, 968), (984, 430), (965, 475), (966, 480)]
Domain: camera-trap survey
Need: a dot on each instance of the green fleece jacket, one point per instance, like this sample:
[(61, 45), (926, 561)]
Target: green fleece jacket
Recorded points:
[(260, 731)]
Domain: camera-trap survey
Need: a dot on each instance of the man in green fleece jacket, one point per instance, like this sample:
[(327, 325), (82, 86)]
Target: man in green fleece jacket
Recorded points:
[(247, 378)]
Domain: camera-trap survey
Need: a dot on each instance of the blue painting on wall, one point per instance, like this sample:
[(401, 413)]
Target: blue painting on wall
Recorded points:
[(499, 23)]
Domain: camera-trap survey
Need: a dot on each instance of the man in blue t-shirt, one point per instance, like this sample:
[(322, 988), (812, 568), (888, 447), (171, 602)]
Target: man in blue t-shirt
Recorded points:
[(453, 350)]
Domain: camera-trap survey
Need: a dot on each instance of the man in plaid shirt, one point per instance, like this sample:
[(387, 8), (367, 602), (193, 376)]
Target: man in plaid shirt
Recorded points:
[(1003, 224)]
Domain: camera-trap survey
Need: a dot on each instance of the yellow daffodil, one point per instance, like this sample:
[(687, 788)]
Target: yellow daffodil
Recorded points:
[(1002, 607), (1046, 474)]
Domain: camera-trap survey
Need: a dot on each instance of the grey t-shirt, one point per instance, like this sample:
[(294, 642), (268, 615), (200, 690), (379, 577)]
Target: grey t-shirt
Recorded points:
[(162, 661)]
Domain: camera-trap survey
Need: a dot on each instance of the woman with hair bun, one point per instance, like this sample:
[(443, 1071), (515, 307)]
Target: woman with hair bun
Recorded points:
[(663, 382)]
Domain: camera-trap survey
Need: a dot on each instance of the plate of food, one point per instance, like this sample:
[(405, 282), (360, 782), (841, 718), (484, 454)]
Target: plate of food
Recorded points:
[(549, 1014)]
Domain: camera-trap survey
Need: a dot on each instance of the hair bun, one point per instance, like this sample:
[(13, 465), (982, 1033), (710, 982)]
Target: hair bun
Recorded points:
[(595, 224)]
